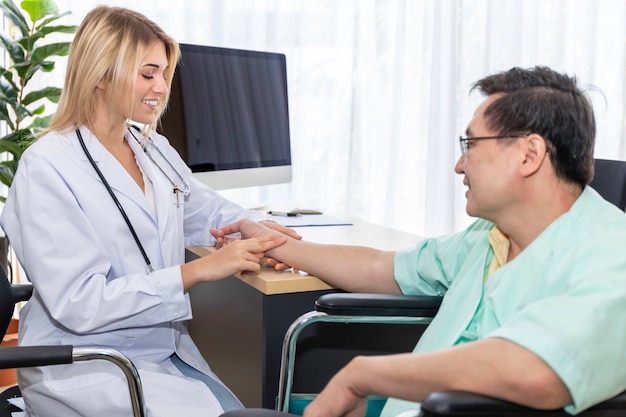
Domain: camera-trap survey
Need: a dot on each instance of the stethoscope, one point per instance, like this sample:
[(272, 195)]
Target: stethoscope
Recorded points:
[(177, 189)]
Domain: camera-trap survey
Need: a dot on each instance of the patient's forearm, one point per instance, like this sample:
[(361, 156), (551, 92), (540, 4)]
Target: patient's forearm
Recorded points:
[(493, 367), (352, 268)]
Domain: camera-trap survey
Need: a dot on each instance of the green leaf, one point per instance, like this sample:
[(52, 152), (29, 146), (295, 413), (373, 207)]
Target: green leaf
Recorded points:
[(6, 117), (52, 49), (7, 171), (8, 98), (13, 48), (13, 142), (55, 98), (22, 138), (8, 76), (48, 92), (41, 122), (38, 9), (9, 164), (6, 178), (39, 110), (11, 147), (21, 111), (22, 68), (26, 69), (8, 91), (47, 66), (28, 42), (50, 19), (14, 14), (32, 68)]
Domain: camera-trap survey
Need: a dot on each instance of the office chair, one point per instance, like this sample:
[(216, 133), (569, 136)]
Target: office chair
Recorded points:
[(609, 181), (25, 356)]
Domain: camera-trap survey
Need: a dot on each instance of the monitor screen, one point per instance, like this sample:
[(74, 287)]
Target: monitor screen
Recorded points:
[(228, 116)]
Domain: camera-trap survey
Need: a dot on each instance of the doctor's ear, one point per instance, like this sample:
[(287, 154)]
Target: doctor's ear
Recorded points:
[(103, 83)]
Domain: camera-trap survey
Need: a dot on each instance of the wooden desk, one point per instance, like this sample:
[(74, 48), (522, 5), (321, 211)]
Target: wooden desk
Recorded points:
[(239, 323)]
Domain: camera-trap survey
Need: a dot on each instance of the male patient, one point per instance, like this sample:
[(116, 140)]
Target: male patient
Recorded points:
[(535, 289)]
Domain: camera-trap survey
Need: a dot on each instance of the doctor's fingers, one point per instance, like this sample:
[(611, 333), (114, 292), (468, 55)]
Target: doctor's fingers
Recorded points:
[(254, 249), (221, 239), (216, 233), (246, 227), (278, 265), (226, 240), (263, 244)]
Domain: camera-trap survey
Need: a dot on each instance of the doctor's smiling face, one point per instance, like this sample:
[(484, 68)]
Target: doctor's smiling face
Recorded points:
[(488, 167), (151, 87)]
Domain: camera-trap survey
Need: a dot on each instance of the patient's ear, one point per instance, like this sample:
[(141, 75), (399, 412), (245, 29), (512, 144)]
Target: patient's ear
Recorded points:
[(535, 153)]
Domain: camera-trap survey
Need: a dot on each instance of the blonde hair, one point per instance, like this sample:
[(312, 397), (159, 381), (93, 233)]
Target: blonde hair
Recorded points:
[(109, 47)]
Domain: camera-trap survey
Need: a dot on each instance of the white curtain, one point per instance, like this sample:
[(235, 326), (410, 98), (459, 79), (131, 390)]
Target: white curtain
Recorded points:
[(379, 89)]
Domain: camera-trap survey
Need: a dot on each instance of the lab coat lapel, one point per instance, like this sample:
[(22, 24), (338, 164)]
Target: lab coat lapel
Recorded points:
[(161, 200), (113, 172)]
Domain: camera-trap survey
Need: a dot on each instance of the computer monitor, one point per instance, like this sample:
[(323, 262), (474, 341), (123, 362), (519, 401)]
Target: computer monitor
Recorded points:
[(228, 116)]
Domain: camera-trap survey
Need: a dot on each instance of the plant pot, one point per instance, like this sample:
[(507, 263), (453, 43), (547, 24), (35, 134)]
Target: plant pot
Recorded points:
[(8, 376)]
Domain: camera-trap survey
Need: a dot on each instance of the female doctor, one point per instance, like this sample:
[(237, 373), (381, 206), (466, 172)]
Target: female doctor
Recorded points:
[(99, 215)]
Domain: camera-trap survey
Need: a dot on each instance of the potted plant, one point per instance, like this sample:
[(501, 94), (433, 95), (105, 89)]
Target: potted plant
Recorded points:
[(22, 110)]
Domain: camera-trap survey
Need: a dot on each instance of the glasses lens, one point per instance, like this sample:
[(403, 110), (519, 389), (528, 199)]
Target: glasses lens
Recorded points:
[(463, 145)]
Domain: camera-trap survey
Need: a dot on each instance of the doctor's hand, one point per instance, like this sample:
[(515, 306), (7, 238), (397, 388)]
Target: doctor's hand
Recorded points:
[(223, 238), (238, 256), (248, 229), (274, 263)]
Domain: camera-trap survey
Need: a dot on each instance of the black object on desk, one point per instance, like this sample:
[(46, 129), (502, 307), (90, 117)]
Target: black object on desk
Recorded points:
[(283, 214)]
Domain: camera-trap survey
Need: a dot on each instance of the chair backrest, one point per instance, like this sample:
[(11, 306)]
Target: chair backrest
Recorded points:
[(7, 302), (609, 181)]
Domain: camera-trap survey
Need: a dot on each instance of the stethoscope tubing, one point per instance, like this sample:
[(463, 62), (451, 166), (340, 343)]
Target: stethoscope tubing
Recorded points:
[(117, 202)]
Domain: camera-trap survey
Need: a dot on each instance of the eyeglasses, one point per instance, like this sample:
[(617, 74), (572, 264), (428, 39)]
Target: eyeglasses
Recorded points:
[(463, 142)]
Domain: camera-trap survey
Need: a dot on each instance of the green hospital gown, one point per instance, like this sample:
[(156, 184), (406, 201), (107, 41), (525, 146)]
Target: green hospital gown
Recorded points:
[(563, 297)]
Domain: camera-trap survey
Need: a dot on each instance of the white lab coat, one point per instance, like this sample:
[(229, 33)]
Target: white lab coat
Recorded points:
[(90, 282)]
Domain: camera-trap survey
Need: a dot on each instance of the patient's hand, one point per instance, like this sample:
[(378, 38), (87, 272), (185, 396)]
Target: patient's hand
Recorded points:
[(245, 228), (274, 263), (250, 229), (280, 228), (339, 398)]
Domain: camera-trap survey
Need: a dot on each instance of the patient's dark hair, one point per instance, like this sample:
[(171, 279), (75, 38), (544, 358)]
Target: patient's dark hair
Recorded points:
[(543, 101)]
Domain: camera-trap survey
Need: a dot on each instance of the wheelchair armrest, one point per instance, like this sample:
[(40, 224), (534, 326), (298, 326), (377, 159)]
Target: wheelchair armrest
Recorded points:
[(21, 292), (465, 404), (25, 356), (354, 304)]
